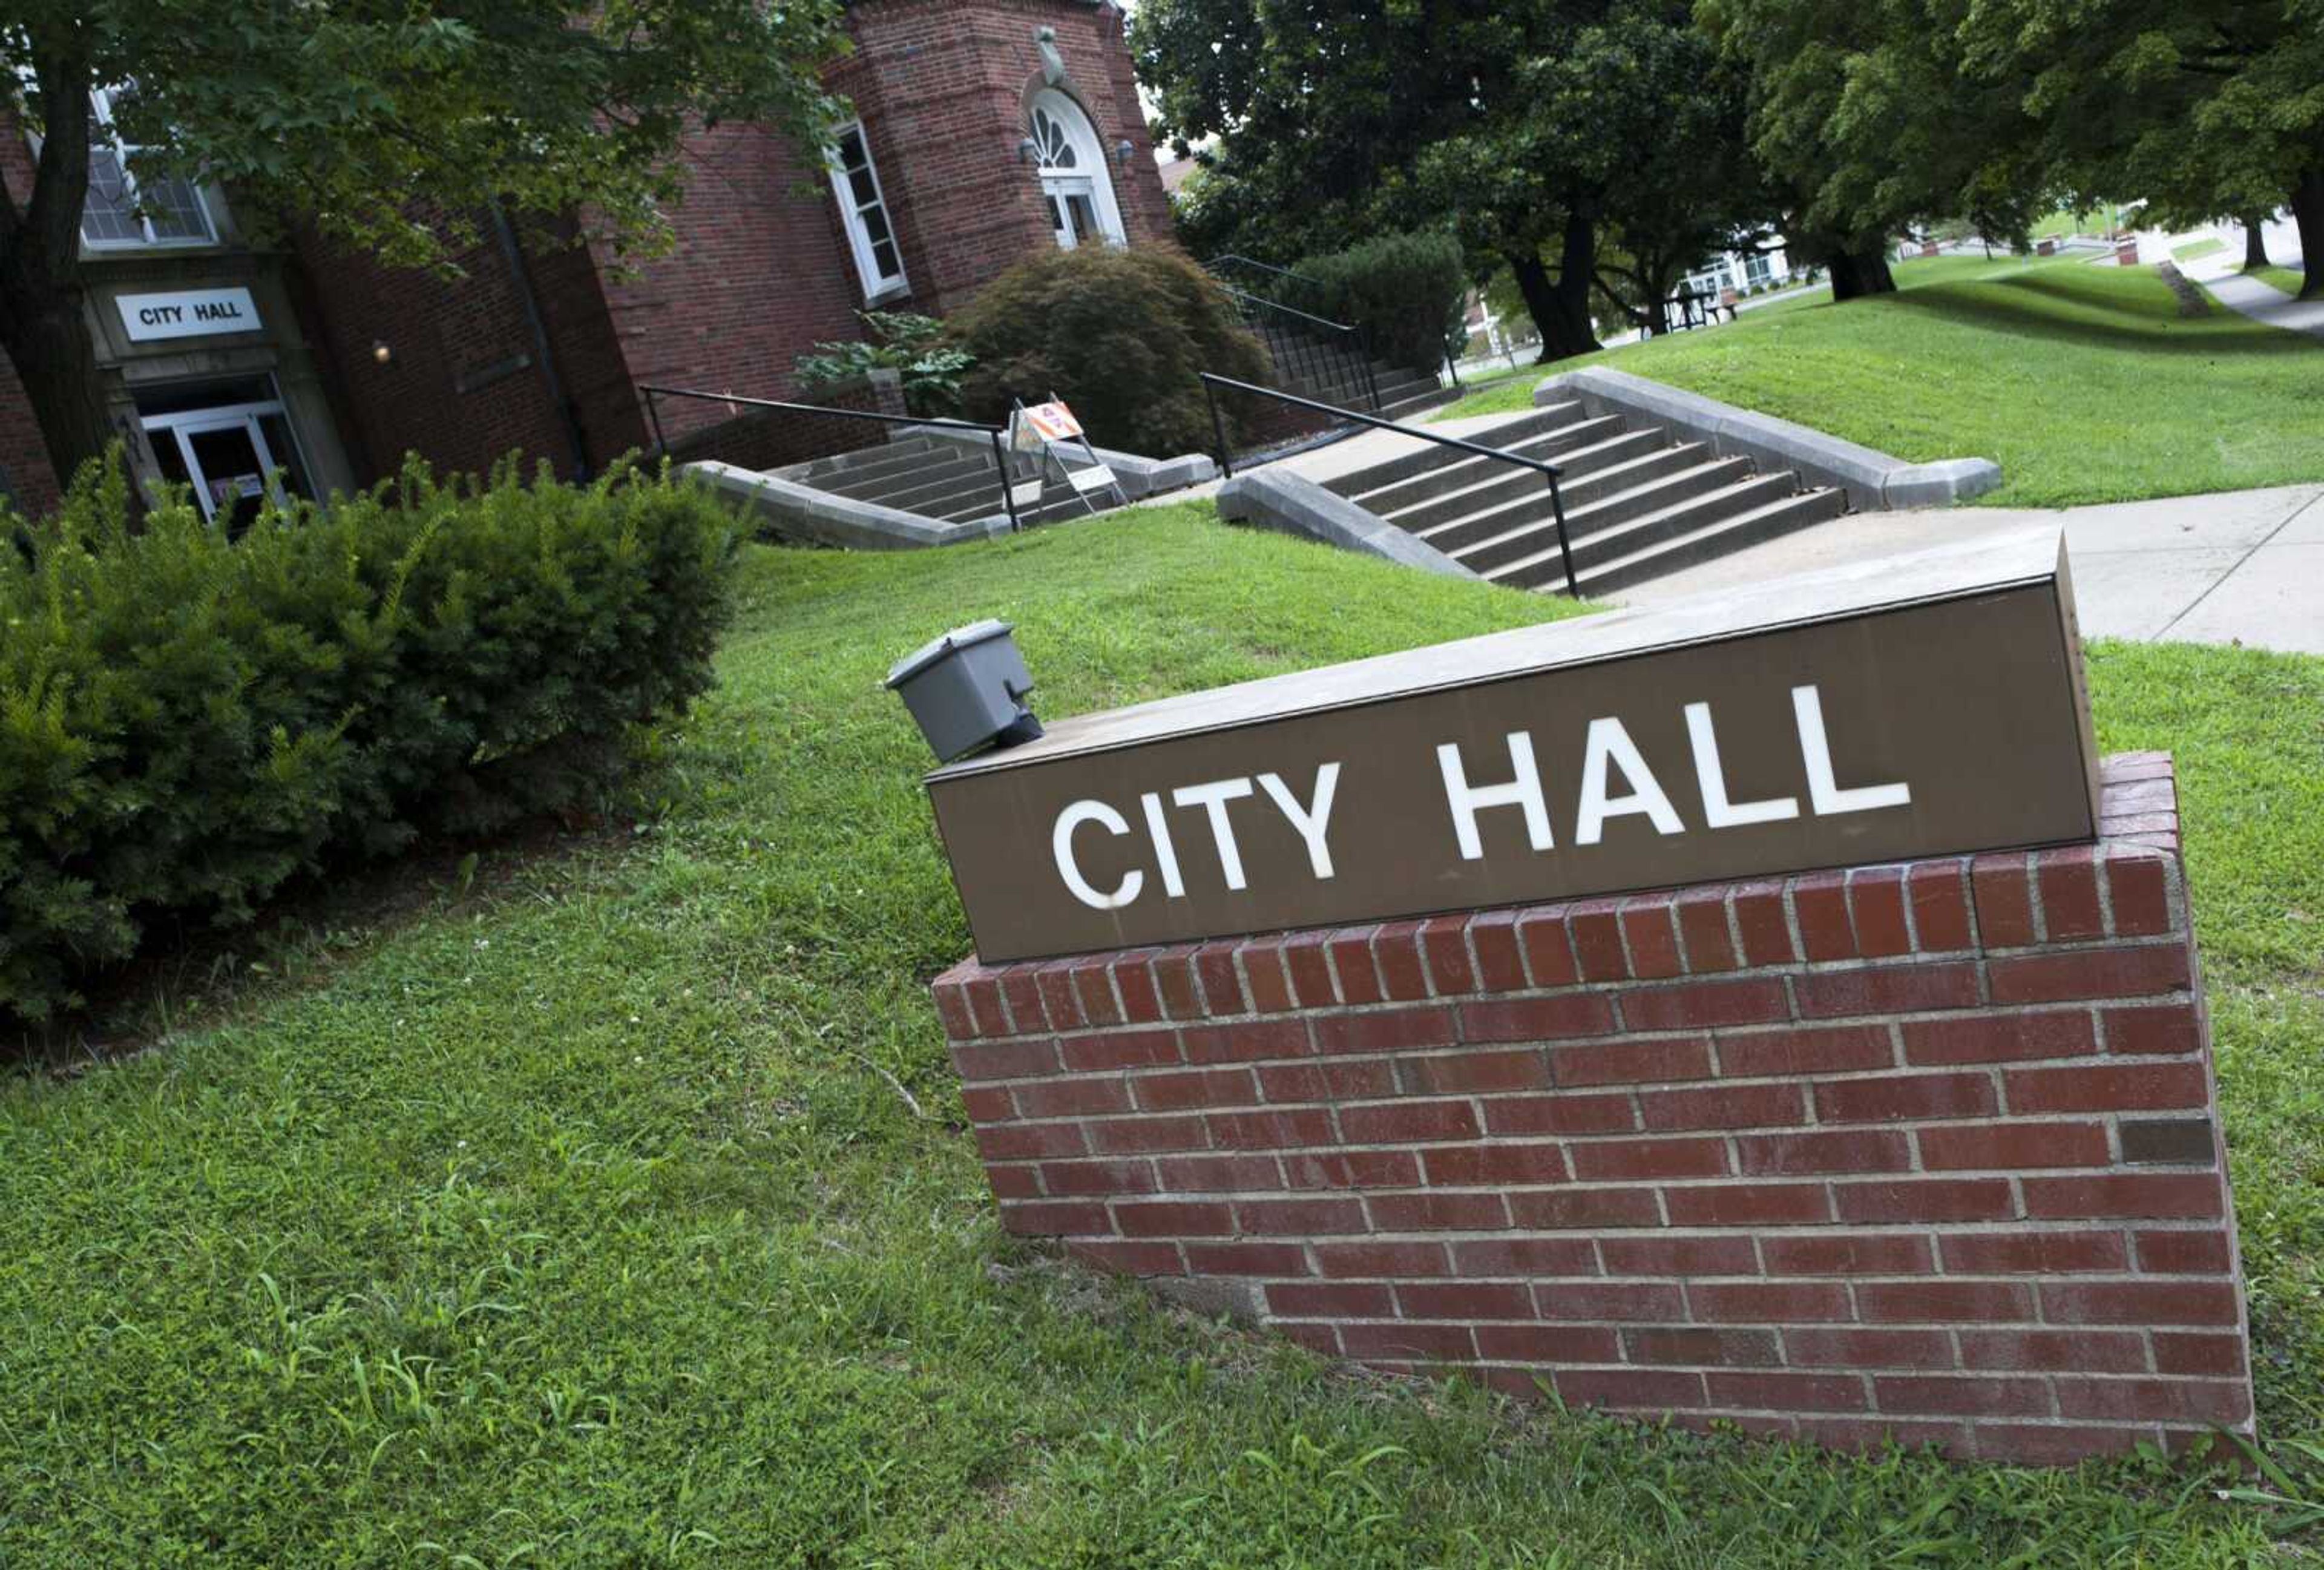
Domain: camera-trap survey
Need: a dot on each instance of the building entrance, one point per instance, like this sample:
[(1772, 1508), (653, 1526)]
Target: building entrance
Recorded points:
[(230, 442)]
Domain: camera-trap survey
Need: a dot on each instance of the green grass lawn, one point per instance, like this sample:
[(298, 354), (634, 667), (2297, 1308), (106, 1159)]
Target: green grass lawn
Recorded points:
[(2060, 225), (2287, 278), (2209, 245), (615, 1209), (2083, 381)]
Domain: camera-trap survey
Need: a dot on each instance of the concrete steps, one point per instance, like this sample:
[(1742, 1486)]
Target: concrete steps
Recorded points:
[(1638, 503), (1315, 366), (936, 479)]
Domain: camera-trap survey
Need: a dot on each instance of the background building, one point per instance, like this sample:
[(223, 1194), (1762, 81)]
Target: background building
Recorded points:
[(985, 130)]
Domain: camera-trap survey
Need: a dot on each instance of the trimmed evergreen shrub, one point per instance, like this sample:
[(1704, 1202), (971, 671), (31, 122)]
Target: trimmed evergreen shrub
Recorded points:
[(188, 721), (1122, 334), (1406, 291)]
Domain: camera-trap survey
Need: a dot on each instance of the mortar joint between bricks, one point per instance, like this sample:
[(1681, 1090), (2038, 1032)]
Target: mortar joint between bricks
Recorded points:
[(1239, 962), (1914, 948), (1113, 991), (1476, 961), (2040, 915), (1622, 936), (1792, 916), (1431, 990), (1734, 929), (2102, 875)]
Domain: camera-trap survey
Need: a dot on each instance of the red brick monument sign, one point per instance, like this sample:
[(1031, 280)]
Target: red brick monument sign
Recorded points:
[(1887, 1110)]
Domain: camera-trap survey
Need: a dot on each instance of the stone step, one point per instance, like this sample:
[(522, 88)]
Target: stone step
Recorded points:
[(1404, 410), (1643, 532), (1478, 484), (885, 457), (1511, 500), (901, 488), (1529, 536), (1522, 434), (1729, 535)]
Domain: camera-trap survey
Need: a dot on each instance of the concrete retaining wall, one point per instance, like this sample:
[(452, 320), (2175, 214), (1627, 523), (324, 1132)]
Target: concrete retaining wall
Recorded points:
[(1290, 504), (1874, 481), (803, 515)]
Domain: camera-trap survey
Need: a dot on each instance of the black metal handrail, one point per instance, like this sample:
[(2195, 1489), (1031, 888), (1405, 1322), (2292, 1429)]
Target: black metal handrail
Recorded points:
[(997, 433), (1543, 466), (1232, 259), (1322, 351)]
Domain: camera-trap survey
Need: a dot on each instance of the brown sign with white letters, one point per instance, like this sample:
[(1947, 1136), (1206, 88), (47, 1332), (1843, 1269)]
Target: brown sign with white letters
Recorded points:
[(1919, 706)]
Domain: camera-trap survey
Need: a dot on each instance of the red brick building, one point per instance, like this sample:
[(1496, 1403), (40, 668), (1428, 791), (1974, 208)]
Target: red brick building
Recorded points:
[(985, 130)]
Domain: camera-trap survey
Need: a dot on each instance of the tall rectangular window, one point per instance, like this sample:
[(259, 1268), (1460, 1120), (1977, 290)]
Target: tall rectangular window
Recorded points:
[(123, 211), (864, 209)]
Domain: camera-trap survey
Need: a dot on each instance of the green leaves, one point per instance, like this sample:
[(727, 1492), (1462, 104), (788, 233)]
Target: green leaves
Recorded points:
[(1119, 334), (897, 341), (189, 721), (348, 114)]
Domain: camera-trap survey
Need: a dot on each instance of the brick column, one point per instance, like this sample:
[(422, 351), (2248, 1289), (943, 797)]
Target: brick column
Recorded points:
[(1929, 1150)]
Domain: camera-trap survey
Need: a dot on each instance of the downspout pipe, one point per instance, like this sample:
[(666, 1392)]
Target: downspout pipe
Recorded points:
[(543, 355)]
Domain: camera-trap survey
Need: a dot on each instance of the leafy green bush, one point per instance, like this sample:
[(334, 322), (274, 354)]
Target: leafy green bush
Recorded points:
[(914, 345), (189, 721), (1122, 334), (1407, 291)]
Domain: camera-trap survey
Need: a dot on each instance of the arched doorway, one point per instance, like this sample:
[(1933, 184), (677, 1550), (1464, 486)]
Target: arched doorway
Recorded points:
[(1072, 168)]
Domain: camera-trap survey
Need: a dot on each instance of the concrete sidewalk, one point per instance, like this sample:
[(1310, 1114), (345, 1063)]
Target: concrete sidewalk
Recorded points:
[(2221, 273), (2237, 567), (2263, 303)]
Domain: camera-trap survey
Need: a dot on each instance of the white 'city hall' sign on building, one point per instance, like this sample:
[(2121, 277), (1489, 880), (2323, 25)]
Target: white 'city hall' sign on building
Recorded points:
[(1920, 707), (187, 313)]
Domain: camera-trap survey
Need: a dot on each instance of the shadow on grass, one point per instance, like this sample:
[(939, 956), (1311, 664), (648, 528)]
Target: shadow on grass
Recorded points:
[(2052, 309)]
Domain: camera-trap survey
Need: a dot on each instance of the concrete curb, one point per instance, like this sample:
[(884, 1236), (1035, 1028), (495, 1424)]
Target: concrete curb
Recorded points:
[(1141, 477), (1874, 481), (1290, 504), (791, 512)]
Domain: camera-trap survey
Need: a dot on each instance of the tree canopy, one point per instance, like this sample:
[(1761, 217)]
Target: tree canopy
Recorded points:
[(2199, 110), (1537, 128), (390, 125)]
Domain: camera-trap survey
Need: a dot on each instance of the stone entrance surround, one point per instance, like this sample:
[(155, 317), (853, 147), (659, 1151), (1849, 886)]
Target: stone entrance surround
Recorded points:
[(1927, 1150)]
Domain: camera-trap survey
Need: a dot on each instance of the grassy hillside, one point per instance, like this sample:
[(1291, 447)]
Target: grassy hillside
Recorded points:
[(616, 1209), (2082, 381)]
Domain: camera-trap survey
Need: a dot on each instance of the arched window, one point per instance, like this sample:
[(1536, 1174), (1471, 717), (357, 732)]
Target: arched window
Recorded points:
[(1072, 169)]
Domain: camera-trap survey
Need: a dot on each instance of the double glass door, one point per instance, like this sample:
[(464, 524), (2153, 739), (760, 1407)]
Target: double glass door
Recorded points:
[(235, 456), (1073, 210)]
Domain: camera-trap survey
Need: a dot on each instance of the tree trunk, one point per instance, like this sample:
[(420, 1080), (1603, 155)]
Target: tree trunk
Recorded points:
[(1857, 273), (40, 323), (1561, 308), (2254, 243), (43, 332), (2308, 212)]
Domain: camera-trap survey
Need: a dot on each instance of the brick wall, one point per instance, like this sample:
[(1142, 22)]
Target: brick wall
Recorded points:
[(760, 273), (1928, 1151), (760, 276), (941, 86), (461, 385)]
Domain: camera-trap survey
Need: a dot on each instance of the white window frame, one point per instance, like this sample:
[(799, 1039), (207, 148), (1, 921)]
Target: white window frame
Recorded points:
[(876, 286), (101, 109)]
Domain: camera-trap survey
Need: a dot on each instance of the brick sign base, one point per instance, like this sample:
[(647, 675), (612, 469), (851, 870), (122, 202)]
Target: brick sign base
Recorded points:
[(1927, 1150)]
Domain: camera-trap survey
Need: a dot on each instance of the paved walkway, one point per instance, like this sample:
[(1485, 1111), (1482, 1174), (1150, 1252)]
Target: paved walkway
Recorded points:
[(2239, 566), (2221, 273)]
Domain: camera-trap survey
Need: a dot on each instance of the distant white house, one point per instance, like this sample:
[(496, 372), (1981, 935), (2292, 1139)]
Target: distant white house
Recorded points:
[(1740, 270)]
